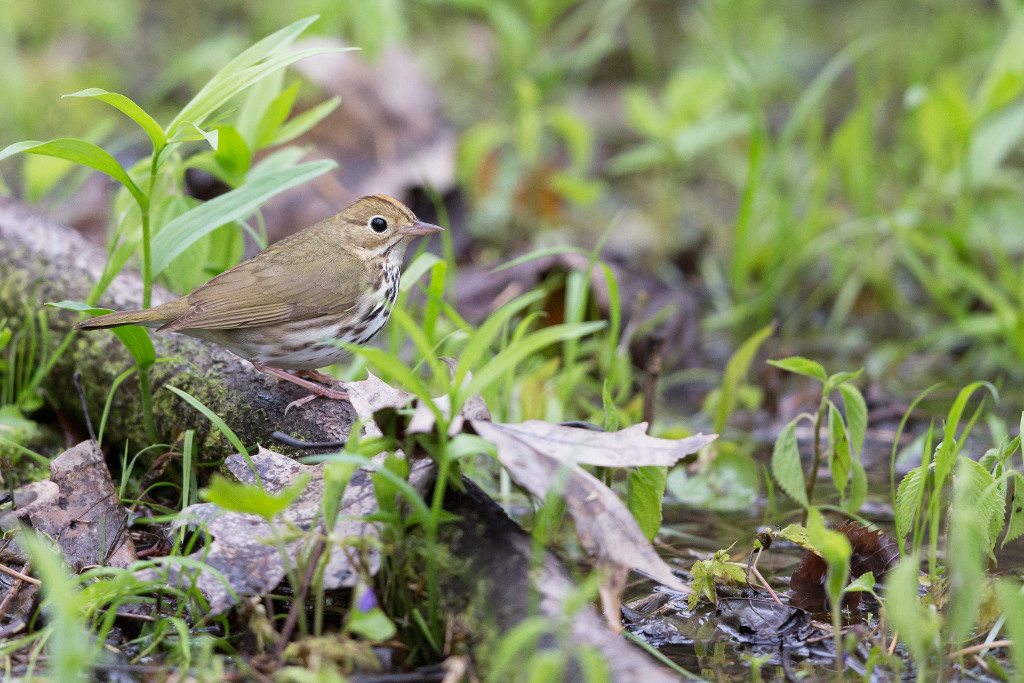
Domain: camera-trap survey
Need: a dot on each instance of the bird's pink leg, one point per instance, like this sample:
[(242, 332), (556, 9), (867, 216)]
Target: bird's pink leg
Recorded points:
[(317, 389)]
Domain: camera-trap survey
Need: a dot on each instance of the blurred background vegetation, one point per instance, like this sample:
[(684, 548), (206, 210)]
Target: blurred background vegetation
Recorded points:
[(851, 170)]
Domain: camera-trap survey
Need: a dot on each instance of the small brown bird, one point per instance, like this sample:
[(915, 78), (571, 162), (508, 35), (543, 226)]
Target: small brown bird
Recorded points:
[(337, 279)]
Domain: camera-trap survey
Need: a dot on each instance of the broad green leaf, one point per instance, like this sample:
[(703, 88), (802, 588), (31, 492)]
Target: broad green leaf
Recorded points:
[(232, 153), (735, 371), (645, 491), (856, 416), (986, 498), (237, 204), (835, 549), (858, 487), (786, 467), (909, 496), (41, 175), (212, 136), (251, 499), (275, 114), (611, 414), (840, 378), (730, 483), (385, 487), (895, 444), (303, 122), (254, 104), (16, 428), (1015, 527), (372, 624), (797, 534), (133, 111), (801, 366), (80, 152), (863, 583), (992, 140), (839, 463), (967, 535), (712, 571)]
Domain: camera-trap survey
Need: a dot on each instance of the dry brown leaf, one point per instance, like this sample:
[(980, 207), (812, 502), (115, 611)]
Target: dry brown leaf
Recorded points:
[(539, 454), (372, 394), (78, 507), (242, 549), (629, 447), (873, 551)]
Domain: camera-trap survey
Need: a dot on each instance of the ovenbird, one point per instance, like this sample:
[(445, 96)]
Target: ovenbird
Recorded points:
[(335, 280)]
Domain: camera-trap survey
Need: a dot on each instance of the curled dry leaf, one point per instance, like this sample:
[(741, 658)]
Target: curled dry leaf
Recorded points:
[(78, 507), (242, 549), (539, 455), (373, 394), (873, 551)]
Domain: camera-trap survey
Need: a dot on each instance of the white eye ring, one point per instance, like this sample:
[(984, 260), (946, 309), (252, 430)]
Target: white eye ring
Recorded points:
[(378, 224)]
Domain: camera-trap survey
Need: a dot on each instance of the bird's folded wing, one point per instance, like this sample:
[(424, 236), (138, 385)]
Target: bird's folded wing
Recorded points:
[(266, 290)]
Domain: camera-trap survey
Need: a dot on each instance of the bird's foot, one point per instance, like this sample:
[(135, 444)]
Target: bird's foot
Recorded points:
[(314, 387), (318, 376)]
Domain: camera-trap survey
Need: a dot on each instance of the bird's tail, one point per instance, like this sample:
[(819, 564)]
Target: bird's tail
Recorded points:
[(147, 318)]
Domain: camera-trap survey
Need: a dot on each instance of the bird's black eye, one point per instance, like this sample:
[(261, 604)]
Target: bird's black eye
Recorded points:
[(378, 224)]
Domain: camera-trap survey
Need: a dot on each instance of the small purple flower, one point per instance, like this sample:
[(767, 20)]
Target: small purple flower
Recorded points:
[(367, 600)]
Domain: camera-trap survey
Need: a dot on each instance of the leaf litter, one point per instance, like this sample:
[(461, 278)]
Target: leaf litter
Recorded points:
[(241, 557)]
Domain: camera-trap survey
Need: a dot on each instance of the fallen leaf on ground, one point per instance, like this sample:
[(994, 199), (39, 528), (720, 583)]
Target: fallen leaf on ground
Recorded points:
[(873, 551), (373, 394), (758, 620), (540, 455), (629, 447), (78, 507)]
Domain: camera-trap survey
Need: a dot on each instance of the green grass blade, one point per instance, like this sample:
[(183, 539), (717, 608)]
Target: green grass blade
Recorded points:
[(485, 335), (510, 356), (221, 425), (212, 95)]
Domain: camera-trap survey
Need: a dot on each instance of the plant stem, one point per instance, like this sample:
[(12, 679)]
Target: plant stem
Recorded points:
[(813, 477), (147, 267), (147, 404), (147, 295), (837, 635), (437, 505)]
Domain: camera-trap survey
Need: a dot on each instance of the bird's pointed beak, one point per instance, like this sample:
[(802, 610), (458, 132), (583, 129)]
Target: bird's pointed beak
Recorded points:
[(421, 228)]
